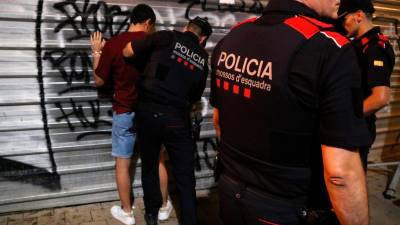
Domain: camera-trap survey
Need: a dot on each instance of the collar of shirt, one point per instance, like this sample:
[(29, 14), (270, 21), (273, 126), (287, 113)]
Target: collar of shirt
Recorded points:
[(192, 36), (359, 42), (137, 32), (371, 33), (289, 6)]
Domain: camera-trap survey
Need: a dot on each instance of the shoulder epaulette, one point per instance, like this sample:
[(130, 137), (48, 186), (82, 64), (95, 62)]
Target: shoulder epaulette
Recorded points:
[(303, 26), (381, 40), (308, 27)]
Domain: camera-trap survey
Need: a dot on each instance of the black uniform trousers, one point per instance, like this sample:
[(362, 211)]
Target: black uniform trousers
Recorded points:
[(172, 128), (364, 157), (364, 151), (244, 205)]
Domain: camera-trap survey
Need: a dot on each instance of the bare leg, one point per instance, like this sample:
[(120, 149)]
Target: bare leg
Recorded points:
[(122, 167), (163, 178)]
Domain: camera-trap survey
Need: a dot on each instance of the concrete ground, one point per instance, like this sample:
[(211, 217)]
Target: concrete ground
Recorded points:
[(383, 211)]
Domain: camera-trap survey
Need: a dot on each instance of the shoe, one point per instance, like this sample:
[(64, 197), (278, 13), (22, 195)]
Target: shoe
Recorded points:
[(165, 212), (150, 219), (123, 217)]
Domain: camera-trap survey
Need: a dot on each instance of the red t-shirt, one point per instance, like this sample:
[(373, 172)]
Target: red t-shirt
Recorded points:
[(121, 72)]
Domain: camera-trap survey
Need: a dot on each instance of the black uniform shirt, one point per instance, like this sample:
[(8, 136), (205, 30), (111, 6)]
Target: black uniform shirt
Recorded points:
[(176, 71), (324, 80), (377, 60)]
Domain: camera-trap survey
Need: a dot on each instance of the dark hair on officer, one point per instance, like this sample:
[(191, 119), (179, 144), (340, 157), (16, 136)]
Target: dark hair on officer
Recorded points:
[(141, 13), (351, 6), (200, 26)]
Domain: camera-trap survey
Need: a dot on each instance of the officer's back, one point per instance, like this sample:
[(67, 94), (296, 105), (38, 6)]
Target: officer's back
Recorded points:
[(176, 70), (174, 78)]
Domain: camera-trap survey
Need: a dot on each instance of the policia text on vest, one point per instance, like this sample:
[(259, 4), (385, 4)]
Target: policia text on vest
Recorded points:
[(189, 55), (254, 73)]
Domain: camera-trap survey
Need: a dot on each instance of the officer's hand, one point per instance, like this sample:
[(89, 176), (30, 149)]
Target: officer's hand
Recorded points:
[(97, 42)]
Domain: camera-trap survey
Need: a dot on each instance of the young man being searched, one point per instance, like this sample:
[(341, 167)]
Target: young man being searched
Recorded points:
[(111, 69)]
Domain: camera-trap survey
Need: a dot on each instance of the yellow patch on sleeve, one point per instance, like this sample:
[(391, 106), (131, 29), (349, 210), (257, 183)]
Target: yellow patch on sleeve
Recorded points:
[(378, 63)]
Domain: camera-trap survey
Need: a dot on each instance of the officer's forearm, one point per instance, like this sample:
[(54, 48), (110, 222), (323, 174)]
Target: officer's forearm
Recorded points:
[(379, 98), (128, 51), (346, 185), (216, 123), (97, 80)]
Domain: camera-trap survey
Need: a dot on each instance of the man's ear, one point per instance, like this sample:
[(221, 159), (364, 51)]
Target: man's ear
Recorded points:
[(203, 39), (150, 26), (148, 22), (185, 29), (360, 16)]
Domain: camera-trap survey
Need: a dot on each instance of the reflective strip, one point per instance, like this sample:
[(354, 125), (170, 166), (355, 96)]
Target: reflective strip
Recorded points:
[(266, 222), (339, 40)]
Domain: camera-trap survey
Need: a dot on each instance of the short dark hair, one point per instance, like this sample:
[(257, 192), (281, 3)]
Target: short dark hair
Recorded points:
[(200, 26), (141, 13), (195, 29)]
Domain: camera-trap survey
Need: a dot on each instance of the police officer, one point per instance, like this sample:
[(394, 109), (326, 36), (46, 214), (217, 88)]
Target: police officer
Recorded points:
[(174, 79), (288, 114), (376, 59)]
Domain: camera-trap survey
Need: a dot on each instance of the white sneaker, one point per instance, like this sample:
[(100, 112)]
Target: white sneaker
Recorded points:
[(165, 212), (123, 217)]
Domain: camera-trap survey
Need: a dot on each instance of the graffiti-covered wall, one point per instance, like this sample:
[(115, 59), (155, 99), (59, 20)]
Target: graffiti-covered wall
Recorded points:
[(54, 130)]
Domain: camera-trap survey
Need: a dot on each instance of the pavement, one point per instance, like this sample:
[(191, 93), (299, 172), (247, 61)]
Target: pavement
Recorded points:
[(382, 211)]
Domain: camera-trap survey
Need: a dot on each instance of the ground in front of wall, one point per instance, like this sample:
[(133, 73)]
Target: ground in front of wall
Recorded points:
[(383, 211)]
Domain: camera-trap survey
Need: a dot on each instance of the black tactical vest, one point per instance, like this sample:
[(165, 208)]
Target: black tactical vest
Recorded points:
[(262, 121), (174, 71)]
